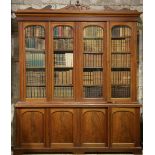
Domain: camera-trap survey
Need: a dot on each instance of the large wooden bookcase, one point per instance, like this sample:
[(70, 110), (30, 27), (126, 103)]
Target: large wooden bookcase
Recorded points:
[(78, 90)]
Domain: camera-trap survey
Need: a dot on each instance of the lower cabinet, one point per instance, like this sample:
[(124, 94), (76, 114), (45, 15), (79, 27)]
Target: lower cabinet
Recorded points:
[(108, 128)]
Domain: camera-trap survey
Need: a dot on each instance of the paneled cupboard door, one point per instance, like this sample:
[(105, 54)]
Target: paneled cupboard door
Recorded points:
[(124, 127), (62, 61), (31, 127), (92, 59), (63, 127), (94, 125)]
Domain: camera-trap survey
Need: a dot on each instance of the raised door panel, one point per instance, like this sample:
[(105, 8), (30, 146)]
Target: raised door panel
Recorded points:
[(32, 127), (94, 127), (124, 127), (62, 127)]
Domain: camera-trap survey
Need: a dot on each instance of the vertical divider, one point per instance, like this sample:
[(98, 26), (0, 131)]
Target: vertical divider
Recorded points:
[(47, 60), (104, 57), (21, 61), (109, 126), (50, 64), (47, 127), (77, 127), (108, 61), (75, 58), (133, 46), (79, 60)]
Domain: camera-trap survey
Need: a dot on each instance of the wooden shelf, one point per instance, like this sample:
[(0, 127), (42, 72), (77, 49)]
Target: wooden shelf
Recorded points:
[(35, 50), (63, 38), (120, 52), (123, 37), (93, 38), (92, 52), (92, 85), (62, 51), (35, 67), (63, 85), (120, 69), (92, 68), (35, 85), (39, 37), (62, 67)]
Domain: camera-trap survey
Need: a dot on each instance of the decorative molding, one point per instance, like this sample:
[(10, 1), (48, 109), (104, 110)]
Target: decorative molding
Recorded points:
[(77, 6)]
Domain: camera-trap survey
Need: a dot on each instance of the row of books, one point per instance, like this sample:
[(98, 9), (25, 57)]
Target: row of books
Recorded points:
[(121, 61), (35, 92), (63, 44), (35, 60), (93, 32), (93, 45), (121, 77), (36, 43), (35, 31), (63, 77), (63, 60), (120, 91), (35, 78), (63, 31), (63, 92), (121, 31), (92, 92), (92, 78), (92, 60), (122, 45)]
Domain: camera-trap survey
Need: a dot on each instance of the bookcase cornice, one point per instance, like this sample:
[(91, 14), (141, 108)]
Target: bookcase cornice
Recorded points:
[(75, 11)]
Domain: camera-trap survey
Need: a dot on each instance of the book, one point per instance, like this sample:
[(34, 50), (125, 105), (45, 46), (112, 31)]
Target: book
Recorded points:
[(121, 31), (63, 77), (63, 31), (63, 60), (35, 31), (92, 78), (121, 61), (63, 92), (35, 60), (35, 78), (93, 92), (35, 92)]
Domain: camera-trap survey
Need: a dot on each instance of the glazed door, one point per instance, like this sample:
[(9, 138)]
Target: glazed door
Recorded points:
[(122, 60), (62, 61), (92, 60), (33, 55)]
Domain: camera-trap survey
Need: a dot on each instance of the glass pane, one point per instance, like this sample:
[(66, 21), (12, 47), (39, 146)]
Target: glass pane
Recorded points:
[(63, 62), (35, 62), (120, 62), (93, 62)]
